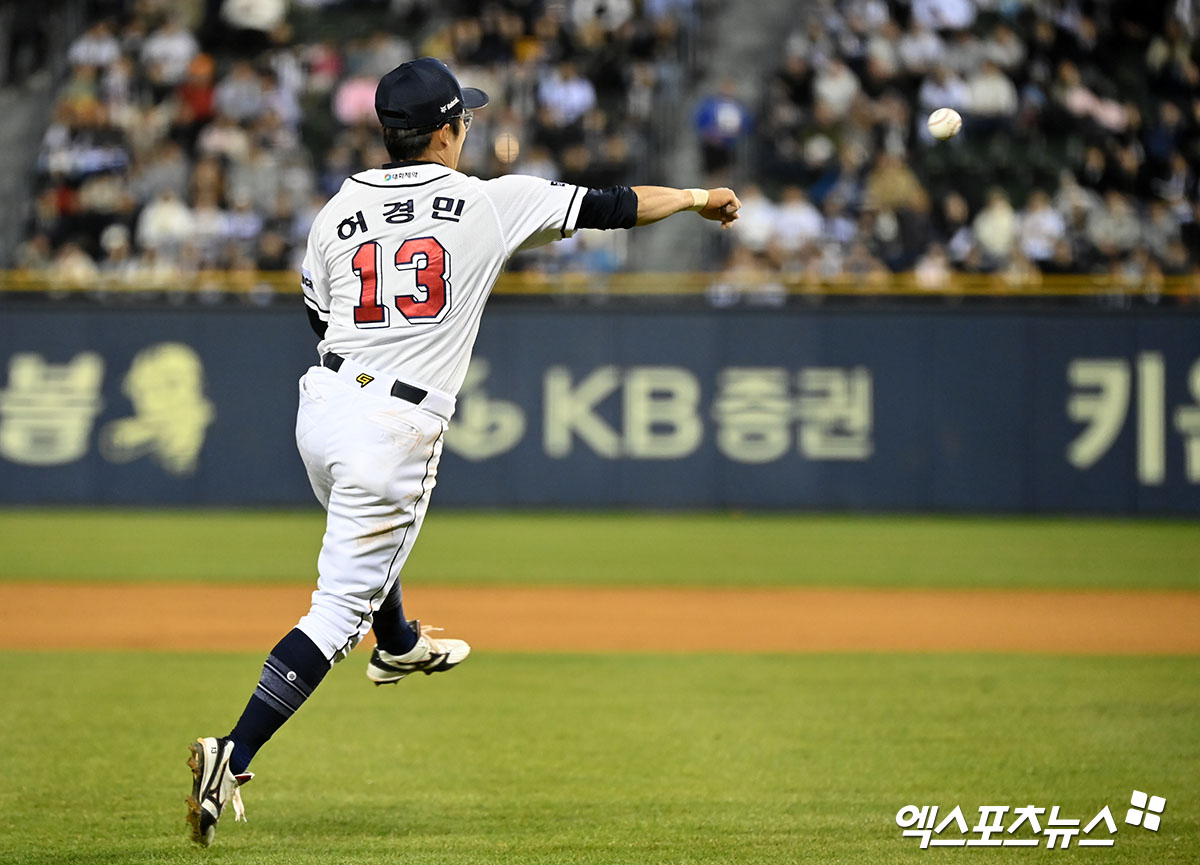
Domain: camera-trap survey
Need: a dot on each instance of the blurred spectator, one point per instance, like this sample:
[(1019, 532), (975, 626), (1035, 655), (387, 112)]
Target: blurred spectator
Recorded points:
[(964, 53), (837, 227), (892, 185), (863, 267), (244, 223), (34, 253), (224, 137), (1160, 229), (164, 225), (920, 49), (168, 51), (1114, 229), (746, 277), (1042, 227), (995, 228), (354, 100), (932, 270), (991, 96), (272, 252), (118, 263), (944, 14), (167, 168), (836, 86), (195, 99), (756, 220), (567, 94), (251, 22), (721, 122), (1079, 100), (1020, 272), (210, 229), (278, 99), (953, 228), (797, 222), (73, 268), (379, 54), (239, 95), (1166, 136), (1190, 232), (1177, 184), (97, 47), (1004, 49), (1063, 260), (942, 88)]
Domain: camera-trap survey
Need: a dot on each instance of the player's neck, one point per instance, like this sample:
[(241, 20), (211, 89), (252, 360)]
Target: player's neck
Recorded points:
[(440, 156), (424, 159)]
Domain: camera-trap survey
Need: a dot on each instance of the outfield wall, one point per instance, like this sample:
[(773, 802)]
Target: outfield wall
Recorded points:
[(904, 409)]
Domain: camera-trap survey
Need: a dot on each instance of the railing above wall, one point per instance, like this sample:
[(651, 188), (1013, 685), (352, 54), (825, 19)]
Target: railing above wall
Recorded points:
[(718, 288)]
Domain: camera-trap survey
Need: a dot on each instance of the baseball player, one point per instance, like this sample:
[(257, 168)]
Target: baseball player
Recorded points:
[(399, 265)]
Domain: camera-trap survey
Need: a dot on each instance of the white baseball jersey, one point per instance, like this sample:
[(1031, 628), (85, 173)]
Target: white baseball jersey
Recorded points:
[(401, 261)]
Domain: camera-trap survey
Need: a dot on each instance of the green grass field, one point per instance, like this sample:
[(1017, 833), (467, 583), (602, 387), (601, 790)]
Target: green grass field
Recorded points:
[(463, 548), (599, 759), (580, 758)]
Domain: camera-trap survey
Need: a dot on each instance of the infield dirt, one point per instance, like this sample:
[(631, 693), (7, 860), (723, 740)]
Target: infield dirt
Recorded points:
[(252, 618)]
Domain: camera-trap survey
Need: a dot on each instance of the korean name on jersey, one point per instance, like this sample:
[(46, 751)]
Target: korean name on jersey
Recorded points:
[(402, 259)]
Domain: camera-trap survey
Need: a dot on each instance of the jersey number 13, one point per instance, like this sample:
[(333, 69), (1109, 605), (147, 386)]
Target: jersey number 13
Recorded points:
[(430, 262)]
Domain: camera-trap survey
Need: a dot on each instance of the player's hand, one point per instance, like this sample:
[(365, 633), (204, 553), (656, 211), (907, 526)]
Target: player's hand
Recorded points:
[(722, 206)]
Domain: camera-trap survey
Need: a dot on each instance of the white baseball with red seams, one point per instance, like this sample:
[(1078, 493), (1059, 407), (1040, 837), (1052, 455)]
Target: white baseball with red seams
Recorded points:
[(944, 123)]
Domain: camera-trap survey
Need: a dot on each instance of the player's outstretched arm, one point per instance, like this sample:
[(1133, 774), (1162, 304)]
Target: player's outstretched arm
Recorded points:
[(659, 202)]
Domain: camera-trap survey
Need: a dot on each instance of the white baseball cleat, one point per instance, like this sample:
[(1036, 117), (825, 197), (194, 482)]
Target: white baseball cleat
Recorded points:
[(428, 656), (213, 787)]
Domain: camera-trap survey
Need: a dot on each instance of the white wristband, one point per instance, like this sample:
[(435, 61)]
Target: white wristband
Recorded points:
[(699, 199)]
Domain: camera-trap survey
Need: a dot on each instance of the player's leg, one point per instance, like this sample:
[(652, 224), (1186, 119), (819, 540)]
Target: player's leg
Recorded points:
[(291, 672), (375, 514), (404, 647), (372, 464), (393, 631)]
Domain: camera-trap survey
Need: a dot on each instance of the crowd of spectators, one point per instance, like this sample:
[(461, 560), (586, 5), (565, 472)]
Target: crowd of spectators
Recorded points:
[(195, 135), (192, 136), (1079, 151)]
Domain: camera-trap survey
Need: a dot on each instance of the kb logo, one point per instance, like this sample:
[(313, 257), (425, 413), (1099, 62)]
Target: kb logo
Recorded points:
[(483, 427)]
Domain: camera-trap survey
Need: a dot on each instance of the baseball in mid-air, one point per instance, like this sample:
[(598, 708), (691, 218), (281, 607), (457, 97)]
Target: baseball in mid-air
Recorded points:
[(944, 123)]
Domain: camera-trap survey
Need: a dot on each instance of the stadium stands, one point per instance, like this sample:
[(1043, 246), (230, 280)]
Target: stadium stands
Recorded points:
[(1079, 152), (185, 141), (191, 136)]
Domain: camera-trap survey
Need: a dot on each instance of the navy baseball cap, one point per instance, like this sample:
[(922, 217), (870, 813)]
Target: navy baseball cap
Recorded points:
[(423, 93)]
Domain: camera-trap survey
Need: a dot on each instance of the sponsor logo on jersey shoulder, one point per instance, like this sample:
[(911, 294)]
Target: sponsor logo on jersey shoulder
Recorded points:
[(364, 379)]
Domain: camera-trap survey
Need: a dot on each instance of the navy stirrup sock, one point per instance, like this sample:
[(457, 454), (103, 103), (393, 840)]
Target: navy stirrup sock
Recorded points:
[(392, 631), (292, 671)]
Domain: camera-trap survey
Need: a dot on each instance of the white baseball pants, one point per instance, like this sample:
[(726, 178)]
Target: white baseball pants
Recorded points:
[(372, 460)]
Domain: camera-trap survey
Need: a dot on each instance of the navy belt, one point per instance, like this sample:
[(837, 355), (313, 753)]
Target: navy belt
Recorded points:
[(400, 390)]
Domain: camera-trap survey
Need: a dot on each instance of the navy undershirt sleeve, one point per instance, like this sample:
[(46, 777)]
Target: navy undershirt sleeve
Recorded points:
[(319, 327), (614, 207)]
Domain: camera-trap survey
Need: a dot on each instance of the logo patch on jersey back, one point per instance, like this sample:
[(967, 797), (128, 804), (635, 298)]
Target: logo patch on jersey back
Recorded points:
[(364, 379)]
